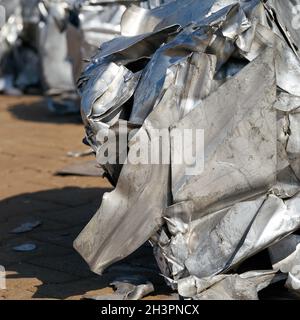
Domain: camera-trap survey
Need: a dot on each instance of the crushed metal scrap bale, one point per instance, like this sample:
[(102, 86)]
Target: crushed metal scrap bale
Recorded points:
[(44, 43), (232, 69)]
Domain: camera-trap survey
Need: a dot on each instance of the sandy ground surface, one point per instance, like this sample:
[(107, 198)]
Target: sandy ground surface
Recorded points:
[(34, 145)]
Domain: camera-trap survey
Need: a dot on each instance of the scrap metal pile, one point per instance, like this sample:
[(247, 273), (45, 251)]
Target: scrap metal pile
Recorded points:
[(43, 44), (232, 69)]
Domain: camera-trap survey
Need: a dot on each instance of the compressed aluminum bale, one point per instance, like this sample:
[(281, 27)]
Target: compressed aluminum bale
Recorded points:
[(57, 69), (229, 69), (36, 47), (45, 42), (53, 50), (9, 34)]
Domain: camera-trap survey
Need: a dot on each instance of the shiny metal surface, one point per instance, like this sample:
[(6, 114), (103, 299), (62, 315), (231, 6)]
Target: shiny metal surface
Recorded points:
[(231, 69)]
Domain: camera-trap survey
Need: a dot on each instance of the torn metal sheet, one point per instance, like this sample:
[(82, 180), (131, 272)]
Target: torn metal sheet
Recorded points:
[(87, 169), (233, 131), (108, 78), (154, 78), (139, 20), (287, 13), (94, 241), (232, 70)]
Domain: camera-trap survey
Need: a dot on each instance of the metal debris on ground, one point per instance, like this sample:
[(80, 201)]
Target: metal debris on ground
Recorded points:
[(126, 288), (86, 168), (132, 287), (26, 227), (26, 247), (79, 154), (230, 68)]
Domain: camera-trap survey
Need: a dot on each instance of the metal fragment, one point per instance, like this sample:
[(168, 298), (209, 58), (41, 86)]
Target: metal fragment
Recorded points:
[(26, 227)]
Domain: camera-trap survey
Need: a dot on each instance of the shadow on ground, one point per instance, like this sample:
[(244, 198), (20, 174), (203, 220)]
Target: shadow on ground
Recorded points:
[(38, 112), (54, 269)]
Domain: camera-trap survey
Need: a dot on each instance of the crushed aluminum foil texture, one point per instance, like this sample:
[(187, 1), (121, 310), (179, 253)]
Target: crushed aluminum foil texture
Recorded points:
[(232, 69)]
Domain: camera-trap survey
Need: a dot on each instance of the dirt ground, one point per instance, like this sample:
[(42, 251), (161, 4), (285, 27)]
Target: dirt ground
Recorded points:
[(34, 145)]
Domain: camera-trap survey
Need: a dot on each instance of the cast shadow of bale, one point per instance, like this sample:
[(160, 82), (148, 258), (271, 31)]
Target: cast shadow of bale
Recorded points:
[(54, 269)]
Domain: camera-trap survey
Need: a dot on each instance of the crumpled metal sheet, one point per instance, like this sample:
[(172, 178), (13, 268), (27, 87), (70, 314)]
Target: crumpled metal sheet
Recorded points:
[(139, 20), (288, 18), (229, 236), (93, 23), (228, 287), (231, 135), (232, 70)]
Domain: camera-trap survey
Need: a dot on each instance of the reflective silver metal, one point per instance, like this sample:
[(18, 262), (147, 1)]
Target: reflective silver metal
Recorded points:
[(232, 69)]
